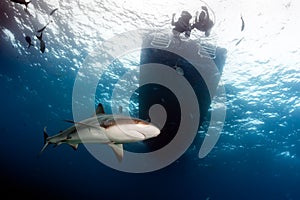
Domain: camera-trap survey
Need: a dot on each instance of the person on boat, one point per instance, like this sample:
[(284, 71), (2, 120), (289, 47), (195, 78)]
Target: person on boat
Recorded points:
[(203, 23), (183, 24)]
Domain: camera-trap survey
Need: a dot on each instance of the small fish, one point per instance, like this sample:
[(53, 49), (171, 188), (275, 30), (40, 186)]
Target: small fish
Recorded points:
[(239, 41), (53, 11), (42, 46), (22, 2), (243, 23), (28, 40), (42, 43), (42, 29)]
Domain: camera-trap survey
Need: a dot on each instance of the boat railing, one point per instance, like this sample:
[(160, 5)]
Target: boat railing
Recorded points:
[(208, 46), (161, 40)]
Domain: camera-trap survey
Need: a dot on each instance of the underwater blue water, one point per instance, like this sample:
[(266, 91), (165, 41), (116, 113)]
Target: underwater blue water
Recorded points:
[(256, 157)]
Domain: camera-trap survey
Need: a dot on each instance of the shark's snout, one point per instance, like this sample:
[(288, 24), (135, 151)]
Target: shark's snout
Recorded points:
[(132, 132), (150, 131)]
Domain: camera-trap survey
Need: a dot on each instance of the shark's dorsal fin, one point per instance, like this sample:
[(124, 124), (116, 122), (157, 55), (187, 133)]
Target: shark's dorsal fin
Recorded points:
[(100, 109), (118, 150)]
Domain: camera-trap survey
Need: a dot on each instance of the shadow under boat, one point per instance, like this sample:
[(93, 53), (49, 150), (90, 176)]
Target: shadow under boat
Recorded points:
[(185, 56)]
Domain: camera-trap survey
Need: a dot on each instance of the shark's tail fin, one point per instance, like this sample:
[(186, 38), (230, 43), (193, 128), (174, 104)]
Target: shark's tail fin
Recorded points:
[(45, 141)]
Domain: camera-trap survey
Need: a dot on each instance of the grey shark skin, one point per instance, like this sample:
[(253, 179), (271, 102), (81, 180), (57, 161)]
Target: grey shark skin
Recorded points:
[(114, 130)]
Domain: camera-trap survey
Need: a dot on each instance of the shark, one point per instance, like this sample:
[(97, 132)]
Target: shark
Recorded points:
[(102, 128)]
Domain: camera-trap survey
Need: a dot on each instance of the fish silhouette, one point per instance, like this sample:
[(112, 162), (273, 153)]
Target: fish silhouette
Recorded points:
[(28, 40), (42, 43)]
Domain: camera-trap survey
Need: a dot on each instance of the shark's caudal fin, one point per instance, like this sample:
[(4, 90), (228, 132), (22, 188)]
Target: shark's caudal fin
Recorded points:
[(45, 141), (118, 150)]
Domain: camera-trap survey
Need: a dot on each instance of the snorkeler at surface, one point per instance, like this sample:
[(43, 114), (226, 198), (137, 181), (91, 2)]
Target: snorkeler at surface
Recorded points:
[(203, 23), (183, 24)]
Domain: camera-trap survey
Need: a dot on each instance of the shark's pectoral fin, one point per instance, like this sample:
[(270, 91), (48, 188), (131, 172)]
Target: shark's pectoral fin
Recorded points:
[(118, 150), (74, 146)]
